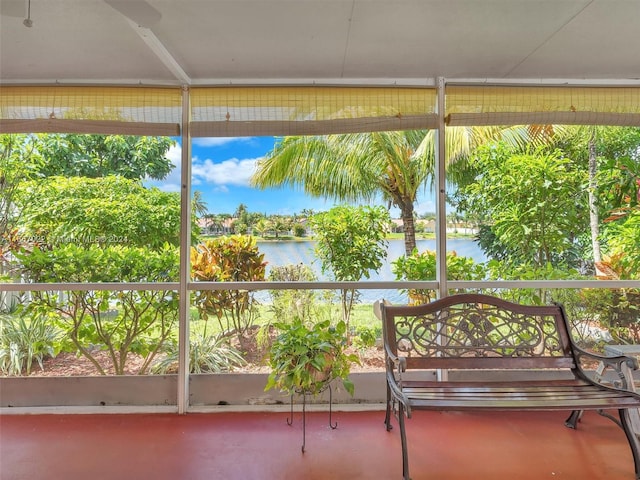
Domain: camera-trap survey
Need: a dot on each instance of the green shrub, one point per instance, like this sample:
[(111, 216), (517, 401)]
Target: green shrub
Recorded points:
[(106, 211), (624, 238), (120, 322), (422, 266), (617, 310), (290, 304), (366, 336), (351, 243), (299, 230)]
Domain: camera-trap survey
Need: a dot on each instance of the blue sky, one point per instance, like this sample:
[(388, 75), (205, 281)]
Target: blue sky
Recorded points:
[(221, 169)]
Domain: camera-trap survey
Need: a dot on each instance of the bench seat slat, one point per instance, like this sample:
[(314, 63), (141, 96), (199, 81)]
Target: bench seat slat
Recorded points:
[(579, 395), (548, 395), (493, 384), (515, 385), (520, 404), (488, 363), (497, 389), (526, 391)]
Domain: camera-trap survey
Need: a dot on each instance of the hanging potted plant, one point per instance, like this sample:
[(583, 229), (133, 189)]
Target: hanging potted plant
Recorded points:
[(305, 359)]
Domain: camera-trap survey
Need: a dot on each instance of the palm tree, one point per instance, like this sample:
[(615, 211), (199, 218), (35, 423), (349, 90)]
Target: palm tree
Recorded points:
[(241, 211), (198, 205), (261, 227), (354, 167)]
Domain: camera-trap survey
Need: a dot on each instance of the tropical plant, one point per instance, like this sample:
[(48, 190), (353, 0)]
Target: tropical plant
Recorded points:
[(618, 309), (610, 154), (624, 244), (24, 340), (261, 227), (280, 224), (352, 167), (351, 242), (207, 354), (304, 358), (527, 272), (228, 259), (299, 230)]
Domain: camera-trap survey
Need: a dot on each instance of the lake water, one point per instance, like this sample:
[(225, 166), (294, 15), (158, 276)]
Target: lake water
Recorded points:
[(285, 253)]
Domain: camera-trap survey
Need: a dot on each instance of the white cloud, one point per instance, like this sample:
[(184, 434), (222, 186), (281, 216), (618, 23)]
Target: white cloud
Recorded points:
[(228, 172), (175, 155), (169, 187), (218, 175), (173, 181)]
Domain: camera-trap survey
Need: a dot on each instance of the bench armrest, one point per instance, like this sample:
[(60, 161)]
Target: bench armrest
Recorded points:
[(621, 364), (394, 362), (395, 366)]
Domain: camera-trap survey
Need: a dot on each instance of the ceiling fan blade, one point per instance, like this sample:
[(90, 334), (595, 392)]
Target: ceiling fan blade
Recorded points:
[(13, 8), (139, 11)]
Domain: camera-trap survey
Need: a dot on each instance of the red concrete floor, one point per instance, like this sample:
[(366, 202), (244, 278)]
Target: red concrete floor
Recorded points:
[(247, 446)]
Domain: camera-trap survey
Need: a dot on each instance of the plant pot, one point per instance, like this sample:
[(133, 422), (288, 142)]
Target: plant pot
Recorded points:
[(324, 375)]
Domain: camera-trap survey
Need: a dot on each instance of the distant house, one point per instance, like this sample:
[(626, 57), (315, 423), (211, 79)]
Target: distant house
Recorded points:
[(397, 225), (421, 225), (429, 226), (209, 226)]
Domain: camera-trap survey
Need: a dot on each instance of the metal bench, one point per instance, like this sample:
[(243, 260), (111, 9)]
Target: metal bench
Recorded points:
[(472, 337)]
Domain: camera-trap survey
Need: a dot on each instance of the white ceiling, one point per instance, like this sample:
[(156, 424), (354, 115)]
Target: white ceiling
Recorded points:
[(318, 41)]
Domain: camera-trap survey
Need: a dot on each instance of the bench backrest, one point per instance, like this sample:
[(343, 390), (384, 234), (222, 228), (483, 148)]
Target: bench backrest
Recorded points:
[(473, 331)]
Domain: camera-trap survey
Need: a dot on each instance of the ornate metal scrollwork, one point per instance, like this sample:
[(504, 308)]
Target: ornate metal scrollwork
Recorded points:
[(477, 330)]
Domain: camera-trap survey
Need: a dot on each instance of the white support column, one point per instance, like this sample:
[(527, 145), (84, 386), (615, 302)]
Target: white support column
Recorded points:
[(185, 250), (441, 209), (441, 204)]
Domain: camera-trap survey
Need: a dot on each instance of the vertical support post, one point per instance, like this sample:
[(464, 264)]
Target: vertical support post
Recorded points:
[(441, 204), (185, 251), (441, 208)]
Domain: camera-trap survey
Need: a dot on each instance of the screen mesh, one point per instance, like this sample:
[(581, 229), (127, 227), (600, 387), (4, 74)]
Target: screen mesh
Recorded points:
[(312, 110), (525, 105), (231, 111), (135, 110)]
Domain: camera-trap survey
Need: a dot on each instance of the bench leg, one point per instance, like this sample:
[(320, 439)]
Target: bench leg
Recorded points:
[(387, 418), (625, 420), (403, 441), (572, 421)]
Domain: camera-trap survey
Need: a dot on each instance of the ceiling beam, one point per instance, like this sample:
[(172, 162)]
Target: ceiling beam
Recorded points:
[(156, 46)]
